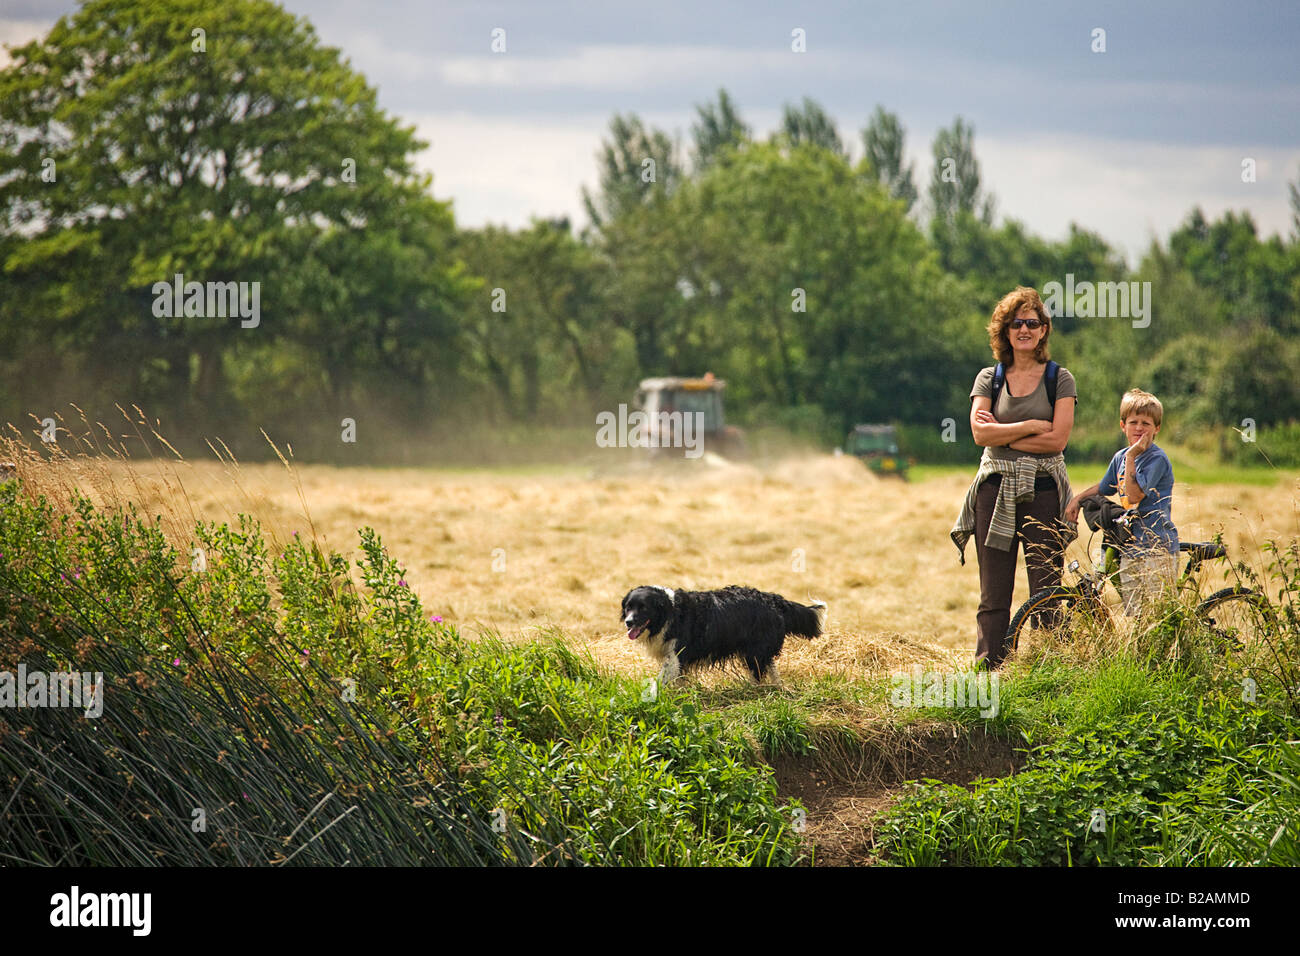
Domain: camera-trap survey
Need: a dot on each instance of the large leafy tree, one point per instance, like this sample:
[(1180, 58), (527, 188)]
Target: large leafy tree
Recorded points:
[(814, 289), (546, 347), (225, 143), (1256, 280)]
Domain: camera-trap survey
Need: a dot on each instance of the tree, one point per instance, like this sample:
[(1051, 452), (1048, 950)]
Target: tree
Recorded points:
[(883, 141), (225, 144), (1252, 375), (1256, 281), (544, 352), (719, 126), (637, 166), (955, 178), (811, 124), (1294, 190), (815, 289)]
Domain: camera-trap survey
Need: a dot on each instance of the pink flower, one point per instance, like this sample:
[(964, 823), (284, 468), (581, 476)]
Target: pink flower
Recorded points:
[(176, 663), (436, 618), (402, 582)]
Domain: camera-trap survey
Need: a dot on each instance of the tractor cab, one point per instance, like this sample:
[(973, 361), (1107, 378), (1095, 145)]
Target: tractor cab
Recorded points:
[(668, 401), (877, 446)]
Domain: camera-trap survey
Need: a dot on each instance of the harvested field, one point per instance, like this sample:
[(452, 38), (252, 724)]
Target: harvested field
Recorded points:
[(526, 552)]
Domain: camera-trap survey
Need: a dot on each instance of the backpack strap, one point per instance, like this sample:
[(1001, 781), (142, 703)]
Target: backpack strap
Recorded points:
[(1000, 379)]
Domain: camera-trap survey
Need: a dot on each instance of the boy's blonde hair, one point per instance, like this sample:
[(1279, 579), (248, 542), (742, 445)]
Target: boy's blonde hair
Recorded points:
[(1138, 402)]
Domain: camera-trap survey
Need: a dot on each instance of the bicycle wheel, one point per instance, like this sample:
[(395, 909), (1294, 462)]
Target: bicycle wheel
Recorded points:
[(1239, 617), (1044, 611)]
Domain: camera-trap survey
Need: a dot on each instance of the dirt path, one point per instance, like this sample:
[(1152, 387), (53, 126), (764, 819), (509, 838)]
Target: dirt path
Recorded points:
[(842, 806)]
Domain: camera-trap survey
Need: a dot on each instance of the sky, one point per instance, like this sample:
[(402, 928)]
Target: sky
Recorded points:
[(1123, 142)]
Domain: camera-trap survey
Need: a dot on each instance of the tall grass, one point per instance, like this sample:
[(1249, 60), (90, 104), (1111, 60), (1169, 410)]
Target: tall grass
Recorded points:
[(208, 751), (1150, 746), (263, 708)]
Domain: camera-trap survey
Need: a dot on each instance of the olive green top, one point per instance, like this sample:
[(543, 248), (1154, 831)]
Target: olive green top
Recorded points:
[(1022, 408)]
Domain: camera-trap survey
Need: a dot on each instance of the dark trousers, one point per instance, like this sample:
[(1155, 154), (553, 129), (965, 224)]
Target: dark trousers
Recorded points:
[(1037, 525)]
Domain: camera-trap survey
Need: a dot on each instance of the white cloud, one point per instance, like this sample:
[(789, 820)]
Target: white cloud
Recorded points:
[(638, 68), (1130, 191), (504, 171), (19, 32)]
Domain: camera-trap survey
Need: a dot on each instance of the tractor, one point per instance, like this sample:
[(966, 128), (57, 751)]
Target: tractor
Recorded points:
[(877, 446), (667, 402)]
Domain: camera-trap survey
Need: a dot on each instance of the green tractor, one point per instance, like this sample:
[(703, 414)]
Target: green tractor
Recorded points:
[(877, 446)]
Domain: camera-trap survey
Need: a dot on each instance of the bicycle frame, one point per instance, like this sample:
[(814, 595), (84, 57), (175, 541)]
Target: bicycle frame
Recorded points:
[(1110, 565)]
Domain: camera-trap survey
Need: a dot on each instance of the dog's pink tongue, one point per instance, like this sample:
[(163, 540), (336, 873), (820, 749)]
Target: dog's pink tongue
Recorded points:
[(634, 632)]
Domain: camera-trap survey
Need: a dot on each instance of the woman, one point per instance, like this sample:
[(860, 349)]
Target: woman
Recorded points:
[(1021, 490)]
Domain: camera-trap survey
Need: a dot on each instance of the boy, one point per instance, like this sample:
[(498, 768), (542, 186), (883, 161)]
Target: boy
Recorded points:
[(1143, 477)]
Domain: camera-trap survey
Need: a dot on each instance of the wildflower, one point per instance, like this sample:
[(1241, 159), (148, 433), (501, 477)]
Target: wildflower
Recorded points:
[(499, 720), (436, 618), (401, 582), (176, 662)]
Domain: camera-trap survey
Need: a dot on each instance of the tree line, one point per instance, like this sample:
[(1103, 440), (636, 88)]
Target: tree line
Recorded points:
[(826, 291)]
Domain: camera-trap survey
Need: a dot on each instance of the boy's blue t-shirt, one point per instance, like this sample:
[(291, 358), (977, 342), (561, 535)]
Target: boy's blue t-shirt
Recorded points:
[(1154, 525)]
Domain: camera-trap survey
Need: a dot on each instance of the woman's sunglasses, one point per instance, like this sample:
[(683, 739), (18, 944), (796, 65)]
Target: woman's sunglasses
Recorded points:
[(1029, 323)]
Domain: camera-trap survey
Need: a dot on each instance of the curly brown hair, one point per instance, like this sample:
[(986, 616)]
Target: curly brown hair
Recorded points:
[(1006, 310)]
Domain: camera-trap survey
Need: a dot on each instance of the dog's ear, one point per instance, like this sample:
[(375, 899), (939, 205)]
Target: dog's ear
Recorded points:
[(660, 603)]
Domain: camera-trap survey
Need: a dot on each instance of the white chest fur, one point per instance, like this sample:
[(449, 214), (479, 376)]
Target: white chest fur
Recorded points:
[(664, 651)]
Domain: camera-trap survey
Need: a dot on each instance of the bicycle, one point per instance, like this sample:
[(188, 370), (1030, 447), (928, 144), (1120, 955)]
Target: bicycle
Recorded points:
[(1237, 616)]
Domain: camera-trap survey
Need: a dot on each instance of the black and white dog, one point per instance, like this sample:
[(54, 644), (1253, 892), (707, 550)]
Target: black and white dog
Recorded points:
[(686, 629)]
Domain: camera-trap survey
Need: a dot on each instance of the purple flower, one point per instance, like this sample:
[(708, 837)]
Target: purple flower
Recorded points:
[(436, 618), (402, 582), (499, 720), (176, 663)]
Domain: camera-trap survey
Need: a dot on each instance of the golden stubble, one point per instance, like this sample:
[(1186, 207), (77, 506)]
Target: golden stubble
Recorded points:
[(552, 552)]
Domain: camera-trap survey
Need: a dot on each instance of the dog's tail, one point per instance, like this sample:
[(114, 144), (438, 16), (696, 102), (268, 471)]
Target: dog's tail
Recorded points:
[(805, 620)]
